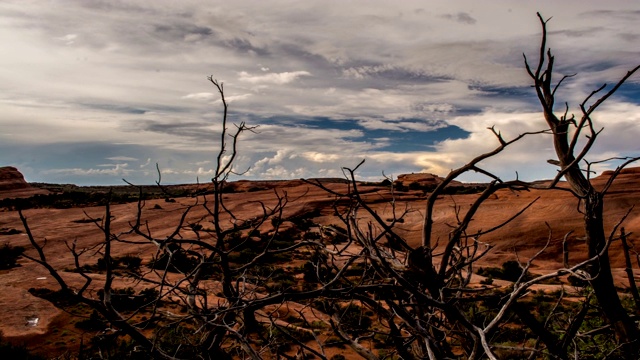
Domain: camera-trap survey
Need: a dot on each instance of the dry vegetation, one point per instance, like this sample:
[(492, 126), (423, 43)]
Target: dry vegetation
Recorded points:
[(332, 269)]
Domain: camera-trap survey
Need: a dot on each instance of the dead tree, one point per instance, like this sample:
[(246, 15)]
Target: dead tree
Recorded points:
[(219, 247), (423, 301), (567, 131), (422, 305)]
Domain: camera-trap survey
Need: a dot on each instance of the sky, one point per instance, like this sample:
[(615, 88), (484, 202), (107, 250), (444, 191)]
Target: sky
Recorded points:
[(92, 92)]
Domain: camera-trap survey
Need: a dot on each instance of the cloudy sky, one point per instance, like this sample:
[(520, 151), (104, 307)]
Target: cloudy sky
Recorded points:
[(95, 91)]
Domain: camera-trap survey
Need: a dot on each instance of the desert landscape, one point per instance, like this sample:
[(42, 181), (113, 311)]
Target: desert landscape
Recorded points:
[(50, 329), (319, 181)]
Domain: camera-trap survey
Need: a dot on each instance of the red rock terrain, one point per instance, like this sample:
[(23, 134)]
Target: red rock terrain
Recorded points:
[(520, 238)]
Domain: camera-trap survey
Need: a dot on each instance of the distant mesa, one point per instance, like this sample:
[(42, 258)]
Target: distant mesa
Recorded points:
[(424, 179), (13, 184)]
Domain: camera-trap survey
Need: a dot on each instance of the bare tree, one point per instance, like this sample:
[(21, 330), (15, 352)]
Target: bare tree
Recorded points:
[(212, 266), (567, 131), (427, 306)]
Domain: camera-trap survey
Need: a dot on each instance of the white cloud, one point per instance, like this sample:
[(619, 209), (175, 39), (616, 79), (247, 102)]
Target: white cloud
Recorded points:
[(215, 98), (142, 166), (362, 72), (321, 157), (280, 172), (116, 170), (203, 96), (277, 159), (272, 78), (122, 158), (197, 172), (234, 98), (68, 39), (200, 163)]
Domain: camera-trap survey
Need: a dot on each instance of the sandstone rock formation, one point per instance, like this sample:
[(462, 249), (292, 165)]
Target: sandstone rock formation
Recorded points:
[(13, 184), (11, 179)]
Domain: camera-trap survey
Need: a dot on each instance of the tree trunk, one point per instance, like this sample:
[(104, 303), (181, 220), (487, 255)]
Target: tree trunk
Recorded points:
[(602, 283), (600, 271), (629, 270)]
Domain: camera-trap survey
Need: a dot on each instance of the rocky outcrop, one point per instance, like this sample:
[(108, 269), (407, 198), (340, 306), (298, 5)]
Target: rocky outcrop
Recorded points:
[(11, 179), (13, 184)]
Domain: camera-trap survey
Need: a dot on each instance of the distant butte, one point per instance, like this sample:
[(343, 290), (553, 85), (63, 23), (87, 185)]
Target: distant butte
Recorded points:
[(13, 184)]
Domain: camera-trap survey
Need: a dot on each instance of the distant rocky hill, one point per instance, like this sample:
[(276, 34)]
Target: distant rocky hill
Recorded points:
[(13, 184), (424, 179), (11, 179)]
